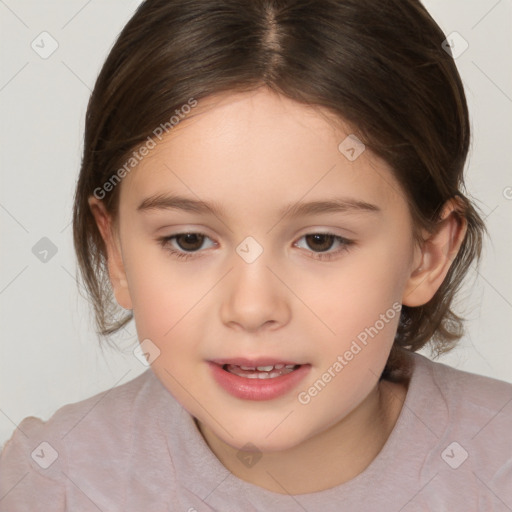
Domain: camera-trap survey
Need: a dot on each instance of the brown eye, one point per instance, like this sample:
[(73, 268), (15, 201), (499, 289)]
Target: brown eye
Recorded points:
[(321, 244), (189, 241), (185, 245), (320, 241)]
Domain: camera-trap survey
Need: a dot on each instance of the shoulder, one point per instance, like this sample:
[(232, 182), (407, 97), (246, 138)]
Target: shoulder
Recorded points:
[(102, 411), (461, 401), (466, 394), (38, 459), (469, 419)]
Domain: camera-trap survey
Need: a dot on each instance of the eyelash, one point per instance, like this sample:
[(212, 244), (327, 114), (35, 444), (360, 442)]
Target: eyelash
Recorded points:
[(322, 256)]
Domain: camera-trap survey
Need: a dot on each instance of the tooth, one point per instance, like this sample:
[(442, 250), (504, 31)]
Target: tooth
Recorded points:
[(247, 367), (264, 368), (278, 366), (262, 374)]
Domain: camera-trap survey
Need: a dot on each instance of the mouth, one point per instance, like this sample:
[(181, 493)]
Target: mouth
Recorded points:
[(261, 379)]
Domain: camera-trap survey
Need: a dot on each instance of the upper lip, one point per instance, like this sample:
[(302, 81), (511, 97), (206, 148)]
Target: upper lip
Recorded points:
[(253, 363)]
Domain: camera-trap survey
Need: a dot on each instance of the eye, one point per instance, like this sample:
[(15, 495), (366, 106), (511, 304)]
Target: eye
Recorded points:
[(188, 244), (323, 242)]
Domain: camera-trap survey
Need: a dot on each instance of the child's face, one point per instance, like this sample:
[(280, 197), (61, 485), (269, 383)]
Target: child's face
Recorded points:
[(252, 155)]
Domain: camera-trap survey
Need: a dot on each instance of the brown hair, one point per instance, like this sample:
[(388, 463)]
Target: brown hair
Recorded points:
[(378, 65)]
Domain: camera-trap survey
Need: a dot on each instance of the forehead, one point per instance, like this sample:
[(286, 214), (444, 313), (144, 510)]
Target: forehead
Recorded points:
[(260, 145), (257, 113)]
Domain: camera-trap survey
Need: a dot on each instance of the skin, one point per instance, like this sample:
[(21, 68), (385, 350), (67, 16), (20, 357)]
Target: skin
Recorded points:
[(253, 153)]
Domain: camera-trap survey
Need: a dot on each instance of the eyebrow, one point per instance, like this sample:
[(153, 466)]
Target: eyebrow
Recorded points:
[(336, 205)]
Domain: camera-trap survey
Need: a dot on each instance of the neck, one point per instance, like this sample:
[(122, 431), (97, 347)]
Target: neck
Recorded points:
[(327, 459)]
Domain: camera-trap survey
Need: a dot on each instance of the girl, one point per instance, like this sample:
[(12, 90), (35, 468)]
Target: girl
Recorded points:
[(273, 191)]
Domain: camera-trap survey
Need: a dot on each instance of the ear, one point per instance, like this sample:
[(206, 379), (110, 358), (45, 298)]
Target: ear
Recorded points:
[(115, 263), (435, 256)]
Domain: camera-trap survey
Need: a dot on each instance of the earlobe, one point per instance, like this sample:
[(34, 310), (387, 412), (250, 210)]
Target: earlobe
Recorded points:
[(437, 253), (115, 262)]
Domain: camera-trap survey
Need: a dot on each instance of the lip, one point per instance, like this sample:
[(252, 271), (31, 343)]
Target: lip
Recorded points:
[(256, 389)]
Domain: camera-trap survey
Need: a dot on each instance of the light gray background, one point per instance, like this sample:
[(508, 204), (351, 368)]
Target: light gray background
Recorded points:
[(49, 352)]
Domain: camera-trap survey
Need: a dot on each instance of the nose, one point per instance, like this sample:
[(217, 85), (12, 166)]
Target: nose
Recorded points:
[(254, 297)]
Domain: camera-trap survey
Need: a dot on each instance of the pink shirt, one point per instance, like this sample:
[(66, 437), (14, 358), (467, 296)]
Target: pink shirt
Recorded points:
[(134, 448)]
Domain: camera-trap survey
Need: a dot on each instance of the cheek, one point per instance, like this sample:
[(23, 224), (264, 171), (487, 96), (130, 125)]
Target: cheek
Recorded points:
[(366, 285), (165, 299), (362, 308)]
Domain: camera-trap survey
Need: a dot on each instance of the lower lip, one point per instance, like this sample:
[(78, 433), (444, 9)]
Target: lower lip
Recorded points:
[(258, 389)]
